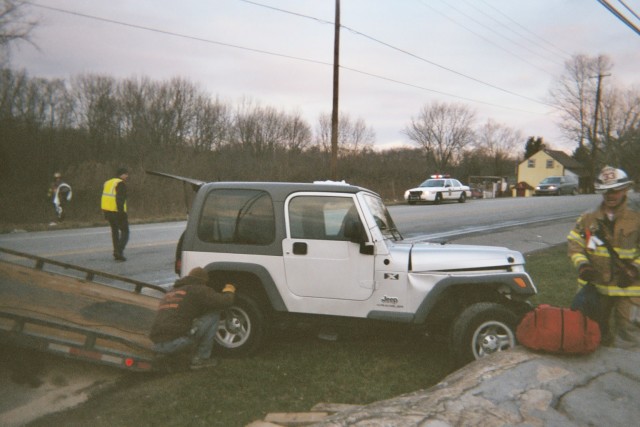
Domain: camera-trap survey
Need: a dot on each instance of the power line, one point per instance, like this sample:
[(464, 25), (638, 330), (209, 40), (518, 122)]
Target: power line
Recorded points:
[(629, 9), (471, 18), (403, 51), (265, 52), (620, 16), (547, 42), (485, 39)]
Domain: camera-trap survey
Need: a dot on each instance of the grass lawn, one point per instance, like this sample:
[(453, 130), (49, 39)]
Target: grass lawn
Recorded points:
[(296, 371)]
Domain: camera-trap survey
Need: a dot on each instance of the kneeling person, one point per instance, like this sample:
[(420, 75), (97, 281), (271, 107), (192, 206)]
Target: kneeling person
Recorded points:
[(188, 317)]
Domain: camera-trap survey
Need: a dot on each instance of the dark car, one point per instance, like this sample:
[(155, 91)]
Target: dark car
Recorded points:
[(557, 185)]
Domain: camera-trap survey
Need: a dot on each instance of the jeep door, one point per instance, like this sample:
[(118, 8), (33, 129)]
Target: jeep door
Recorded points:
[(319, 258)]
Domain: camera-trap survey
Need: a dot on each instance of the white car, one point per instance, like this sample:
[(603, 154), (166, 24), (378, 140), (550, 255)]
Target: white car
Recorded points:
[(436, 189)]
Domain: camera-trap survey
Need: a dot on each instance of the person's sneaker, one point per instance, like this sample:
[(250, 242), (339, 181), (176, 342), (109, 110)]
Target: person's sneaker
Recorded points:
[(197, 363), (119, 257)]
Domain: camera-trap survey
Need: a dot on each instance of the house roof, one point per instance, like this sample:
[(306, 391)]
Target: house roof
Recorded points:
[(567, 161)]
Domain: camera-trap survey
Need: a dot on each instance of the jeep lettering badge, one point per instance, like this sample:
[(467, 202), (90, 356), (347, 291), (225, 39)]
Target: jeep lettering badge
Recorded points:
[(389, 300)]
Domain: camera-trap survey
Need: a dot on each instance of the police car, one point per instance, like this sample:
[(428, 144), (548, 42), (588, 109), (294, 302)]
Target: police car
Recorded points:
[(437, 189)]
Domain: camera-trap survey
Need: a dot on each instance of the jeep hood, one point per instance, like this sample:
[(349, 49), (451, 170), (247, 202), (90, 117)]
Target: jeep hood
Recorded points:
[(448, 258)]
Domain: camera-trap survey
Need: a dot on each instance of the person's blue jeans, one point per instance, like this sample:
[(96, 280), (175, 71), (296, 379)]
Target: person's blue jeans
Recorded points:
[(202, 337)]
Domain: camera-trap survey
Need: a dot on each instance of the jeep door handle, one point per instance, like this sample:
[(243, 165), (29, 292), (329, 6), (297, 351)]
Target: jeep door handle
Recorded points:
[(300, 248)]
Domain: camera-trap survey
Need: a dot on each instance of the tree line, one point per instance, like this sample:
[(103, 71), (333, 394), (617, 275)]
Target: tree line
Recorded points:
[(87, 127)]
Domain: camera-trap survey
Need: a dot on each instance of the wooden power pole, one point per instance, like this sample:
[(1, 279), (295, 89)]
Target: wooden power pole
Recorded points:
[(334, 112)]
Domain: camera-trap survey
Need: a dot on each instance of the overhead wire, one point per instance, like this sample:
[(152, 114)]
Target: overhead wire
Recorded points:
[(493, 30), (484, 38), (403, 51), (527, 30), (629, 9), (271, 53), (619, 15)]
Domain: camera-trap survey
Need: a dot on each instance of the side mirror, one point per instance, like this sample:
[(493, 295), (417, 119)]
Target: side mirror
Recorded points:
[(354, 231)]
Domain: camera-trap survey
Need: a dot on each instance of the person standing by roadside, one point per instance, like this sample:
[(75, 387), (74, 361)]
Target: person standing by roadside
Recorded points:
[(187, 319), (114, 206), (60, 195), (604, 246)]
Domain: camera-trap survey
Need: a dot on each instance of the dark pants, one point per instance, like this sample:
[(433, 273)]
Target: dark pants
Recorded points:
[(119, 223), (595, 306)]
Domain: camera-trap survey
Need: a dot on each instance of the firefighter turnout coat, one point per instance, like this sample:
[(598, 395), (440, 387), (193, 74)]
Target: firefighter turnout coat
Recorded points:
[(587, 245)]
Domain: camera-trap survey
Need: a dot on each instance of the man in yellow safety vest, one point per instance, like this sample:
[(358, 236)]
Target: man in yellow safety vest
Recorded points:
[(114, 206)]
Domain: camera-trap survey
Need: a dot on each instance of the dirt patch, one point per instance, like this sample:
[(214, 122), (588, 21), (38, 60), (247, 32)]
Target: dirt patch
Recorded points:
[(34, 384)]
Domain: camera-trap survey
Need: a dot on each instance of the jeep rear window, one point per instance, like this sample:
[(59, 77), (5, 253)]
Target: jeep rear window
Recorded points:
[(237, 216)]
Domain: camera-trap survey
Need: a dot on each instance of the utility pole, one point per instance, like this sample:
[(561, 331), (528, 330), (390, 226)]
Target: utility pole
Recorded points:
[(334, 112), (594, 140)]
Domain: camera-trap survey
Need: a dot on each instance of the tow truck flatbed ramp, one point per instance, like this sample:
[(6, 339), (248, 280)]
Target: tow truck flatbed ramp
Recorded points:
[(76, 317)]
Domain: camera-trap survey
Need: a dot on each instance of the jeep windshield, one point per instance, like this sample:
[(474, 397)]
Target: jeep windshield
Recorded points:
[(383, 219)]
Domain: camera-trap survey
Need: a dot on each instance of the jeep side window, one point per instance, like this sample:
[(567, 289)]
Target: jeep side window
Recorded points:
[(237, 216), (321, 218)]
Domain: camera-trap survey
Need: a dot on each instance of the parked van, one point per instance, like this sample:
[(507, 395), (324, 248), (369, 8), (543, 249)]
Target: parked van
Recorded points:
[(557, 185)]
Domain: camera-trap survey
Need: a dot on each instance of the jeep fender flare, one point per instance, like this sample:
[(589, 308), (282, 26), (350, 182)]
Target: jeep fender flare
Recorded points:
[(519, 284), (260, 272)]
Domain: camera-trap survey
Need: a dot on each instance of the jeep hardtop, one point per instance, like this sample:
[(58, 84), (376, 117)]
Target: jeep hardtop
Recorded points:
[(332, 250)]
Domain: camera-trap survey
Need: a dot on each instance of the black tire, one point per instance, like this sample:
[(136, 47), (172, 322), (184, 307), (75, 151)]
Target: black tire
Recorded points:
[(463, 197), (481, 329), (177, 265), (438, 199), (242, 328)]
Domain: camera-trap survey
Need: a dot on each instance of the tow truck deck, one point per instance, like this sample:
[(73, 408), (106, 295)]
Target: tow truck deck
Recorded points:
[(76, 317)]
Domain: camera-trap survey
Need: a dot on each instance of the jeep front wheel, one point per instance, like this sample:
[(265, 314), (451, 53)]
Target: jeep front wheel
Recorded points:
[(482, 329), (241, 329)]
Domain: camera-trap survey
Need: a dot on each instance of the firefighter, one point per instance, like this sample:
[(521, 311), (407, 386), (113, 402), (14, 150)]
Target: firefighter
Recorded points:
[(114, 207), (604, 246)]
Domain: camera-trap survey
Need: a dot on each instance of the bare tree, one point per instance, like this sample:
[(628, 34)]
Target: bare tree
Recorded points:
[(620, 118), (99, 111), (443, 131), (297, 133), (13, 27), (578, 94), (500, 143), (213, 124), (353, 136)]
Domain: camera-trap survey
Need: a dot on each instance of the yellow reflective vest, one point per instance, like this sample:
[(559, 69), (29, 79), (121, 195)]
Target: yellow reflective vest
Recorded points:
[(108, 202), (586, 247)]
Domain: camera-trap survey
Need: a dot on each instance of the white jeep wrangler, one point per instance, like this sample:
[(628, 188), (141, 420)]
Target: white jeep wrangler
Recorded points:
[(331, 249)]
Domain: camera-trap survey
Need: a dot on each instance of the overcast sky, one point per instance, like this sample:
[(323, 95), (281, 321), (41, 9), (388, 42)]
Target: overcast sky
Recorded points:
[(498, 57)]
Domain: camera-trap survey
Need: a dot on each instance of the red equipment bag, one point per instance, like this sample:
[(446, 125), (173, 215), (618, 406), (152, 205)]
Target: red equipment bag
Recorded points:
[(558, 330)]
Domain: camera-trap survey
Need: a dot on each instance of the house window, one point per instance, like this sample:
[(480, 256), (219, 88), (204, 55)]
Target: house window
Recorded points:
[(531, 163), (549, 164)]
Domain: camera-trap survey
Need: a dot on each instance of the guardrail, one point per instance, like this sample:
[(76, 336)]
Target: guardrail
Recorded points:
[(90, 274)]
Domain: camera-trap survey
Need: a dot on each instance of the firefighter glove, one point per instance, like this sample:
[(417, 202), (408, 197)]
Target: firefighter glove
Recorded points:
[(627, 276), (587, 273), (229, 288)]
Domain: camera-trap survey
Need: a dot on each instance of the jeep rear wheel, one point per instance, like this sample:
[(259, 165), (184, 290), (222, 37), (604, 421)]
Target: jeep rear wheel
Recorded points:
[(242, 328), (482, 329)]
